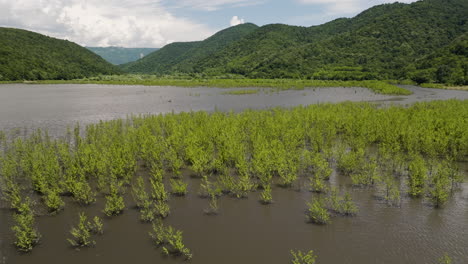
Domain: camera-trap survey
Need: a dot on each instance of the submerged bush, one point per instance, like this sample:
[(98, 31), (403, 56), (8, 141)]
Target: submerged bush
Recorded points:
[(213, 206), (265, 195), (417, 176), (53, 202), (299, 257), (439, 189), (83, 233), (139, 194), (114, 202), (178, 187), (170, 240), (162, 209), (26, 234), (317, 212), (158, 191)]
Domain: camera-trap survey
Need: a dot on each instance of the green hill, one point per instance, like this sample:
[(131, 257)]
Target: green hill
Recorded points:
[(119, 55), (387, 41), (382, 42), (446, 65), (183, 56), (26, 55)]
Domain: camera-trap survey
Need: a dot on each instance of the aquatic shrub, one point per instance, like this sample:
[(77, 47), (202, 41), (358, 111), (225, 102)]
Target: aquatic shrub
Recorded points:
[(213, 206), (82, 234), (174, 162), (333, 200), (342, 205), (351, 162), (26, 234), (178, 187), (53, 201), (114, 201), (266, 196), (456, 178), (170, 240), (82, 192), (287, 178), (445, 259), (123, 165), (317, 213), (199, 158), (147, 211), (242, 186), (439, 188), (208, 189), (299, 257), (97, 226), (321, 167), (139, 194), (225, 183), (417, 176), (12, 194), (366, 175), (391, 190), (348, 207), (162, 209), (317, 184), (158, 191)]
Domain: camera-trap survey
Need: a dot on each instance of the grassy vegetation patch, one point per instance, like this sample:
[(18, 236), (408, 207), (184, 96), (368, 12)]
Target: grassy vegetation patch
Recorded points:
[(380, 87)]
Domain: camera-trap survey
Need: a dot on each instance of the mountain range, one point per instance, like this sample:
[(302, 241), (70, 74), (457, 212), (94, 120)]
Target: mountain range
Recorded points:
[(182, 56), (389, 41)]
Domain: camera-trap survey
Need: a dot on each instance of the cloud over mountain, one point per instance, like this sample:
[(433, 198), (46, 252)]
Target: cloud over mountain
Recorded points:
[(137, 23)]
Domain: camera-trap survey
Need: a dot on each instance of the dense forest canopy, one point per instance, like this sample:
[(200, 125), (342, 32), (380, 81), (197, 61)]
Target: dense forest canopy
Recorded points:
[(182, 56), (26, 55), (424, 41)]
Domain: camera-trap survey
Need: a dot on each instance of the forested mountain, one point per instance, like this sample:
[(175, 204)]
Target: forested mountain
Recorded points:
[(182, 56), (446, 65), (119, 55), (26, 55), (389, 41)]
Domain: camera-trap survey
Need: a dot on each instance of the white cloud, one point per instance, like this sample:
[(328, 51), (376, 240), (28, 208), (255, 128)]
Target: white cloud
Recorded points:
[(212, 5), (128, 23), (346, 7), (235, 20)]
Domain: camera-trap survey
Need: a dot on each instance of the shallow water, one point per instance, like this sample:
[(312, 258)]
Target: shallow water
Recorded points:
[(53, 107), (245, 231)]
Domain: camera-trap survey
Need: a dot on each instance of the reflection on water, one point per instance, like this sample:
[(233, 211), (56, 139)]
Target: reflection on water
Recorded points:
[(245, 231)]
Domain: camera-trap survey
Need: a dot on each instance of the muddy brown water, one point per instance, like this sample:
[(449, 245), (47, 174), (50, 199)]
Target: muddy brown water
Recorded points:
[(245, 231), (53, 107)]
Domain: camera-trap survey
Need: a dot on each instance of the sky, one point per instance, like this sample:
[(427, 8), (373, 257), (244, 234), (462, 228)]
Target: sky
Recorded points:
[(155, 23)]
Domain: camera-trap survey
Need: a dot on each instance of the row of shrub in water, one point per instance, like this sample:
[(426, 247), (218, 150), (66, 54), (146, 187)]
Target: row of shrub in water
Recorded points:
[(412, 150)]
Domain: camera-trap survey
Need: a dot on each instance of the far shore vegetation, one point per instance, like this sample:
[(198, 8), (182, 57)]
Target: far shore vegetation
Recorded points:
[(381, 87), (389, 87)]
